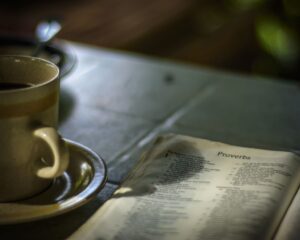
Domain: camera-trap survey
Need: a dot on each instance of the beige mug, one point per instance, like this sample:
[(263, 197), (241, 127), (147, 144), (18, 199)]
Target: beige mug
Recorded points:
[(32, 153)]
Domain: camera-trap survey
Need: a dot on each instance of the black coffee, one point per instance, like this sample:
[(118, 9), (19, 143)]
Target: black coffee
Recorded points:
[(13, 85)]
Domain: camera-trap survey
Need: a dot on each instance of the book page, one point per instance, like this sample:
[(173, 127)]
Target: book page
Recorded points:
[(188, 188), (289, 228)]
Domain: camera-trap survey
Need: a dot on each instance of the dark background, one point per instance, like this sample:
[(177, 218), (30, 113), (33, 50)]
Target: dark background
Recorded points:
[(250, 36)]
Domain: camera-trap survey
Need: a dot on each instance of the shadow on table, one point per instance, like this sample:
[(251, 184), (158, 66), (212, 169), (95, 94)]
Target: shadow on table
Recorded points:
[(66, 104)]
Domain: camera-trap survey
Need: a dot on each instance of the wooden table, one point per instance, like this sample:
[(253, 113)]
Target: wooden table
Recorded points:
[(115, 103)]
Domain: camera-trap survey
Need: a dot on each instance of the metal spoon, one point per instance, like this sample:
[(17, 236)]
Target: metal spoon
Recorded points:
[(44, 33)]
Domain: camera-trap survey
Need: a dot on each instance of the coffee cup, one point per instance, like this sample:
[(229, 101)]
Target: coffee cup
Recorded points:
[(32, 153)]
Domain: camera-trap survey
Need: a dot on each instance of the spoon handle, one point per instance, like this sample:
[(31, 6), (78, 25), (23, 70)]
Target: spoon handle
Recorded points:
[(44, 33)]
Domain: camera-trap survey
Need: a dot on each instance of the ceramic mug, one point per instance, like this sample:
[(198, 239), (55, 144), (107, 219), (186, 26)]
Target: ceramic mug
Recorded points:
[(32, 153)]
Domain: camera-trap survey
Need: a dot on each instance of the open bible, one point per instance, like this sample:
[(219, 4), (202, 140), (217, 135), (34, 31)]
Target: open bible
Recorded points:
[(190, 188)]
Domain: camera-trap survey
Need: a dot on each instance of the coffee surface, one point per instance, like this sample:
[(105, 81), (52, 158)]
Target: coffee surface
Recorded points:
[(13, 85)]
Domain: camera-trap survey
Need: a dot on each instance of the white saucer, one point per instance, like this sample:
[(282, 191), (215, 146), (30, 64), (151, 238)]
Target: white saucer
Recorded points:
[(85, 176)]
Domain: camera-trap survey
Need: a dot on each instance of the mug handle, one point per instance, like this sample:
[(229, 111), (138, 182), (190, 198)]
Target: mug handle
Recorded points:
[(59, 149)]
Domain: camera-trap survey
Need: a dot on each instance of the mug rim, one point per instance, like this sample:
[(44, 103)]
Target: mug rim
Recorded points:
[(30, 58)]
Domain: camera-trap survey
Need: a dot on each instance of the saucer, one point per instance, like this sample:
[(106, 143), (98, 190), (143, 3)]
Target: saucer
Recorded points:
[(58, 52), (85, 176)]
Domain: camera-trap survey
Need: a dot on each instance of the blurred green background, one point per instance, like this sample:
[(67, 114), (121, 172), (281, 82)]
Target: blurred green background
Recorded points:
[(257, 37)]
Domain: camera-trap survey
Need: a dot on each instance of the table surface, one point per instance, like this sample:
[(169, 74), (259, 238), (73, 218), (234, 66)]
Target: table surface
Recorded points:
[(116, 103)]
